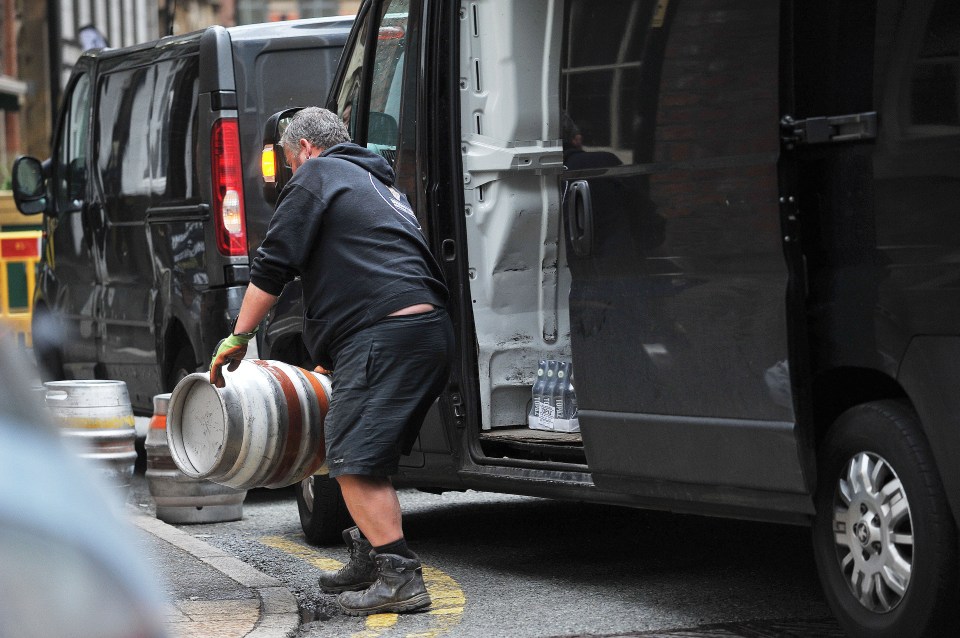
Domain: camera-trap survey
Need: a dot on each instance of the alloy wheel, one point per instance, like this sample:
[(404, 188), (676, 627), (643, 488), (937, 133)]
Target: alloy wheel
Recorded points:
[(873, 532)]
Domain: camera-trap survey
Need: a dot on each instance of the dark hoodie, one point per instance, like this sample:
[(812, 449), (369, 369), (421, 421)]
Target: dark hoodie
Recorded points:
[(355, 242)]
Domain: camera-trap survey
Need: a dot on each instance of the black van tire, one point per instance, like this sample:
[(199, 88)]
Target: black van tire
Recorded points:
[(890, 432), (181, 365), (323, 514), (46, 339)]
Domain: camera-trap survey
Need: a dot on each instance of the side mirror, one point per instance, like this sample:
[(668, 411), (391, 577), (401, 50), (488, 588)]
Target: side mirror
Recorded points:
[(273, 163), (29, 186)]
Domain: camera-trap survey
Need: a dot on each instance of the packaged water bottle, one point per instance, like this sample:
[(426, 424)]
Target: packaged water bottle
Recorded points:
[(547, 409), (570, 397), (560, 390), (565, 400), (538, 386)]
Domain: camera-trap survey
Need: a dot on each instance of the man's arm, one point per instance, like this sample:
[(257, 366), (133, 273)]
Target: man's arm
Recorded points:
[(256, 303)]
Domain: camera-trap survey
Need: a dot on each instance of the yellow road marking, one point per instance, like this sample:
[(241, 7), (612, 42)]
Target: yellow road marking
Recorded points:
[(446, 612), (300, 551)]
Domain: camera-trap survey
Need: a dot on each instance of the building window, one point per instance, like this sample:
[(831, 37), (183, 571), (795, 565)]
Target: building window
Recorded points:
[(253, 11)]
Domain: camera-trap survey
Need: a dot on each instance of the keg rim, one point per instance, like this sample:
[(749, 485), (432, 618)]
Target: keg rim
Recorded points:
[(175, 442)]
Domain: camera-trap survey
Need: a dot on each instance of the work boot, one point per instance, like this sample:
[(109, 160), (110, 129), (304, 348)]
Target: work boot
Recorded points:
[(358, 573), (399, 587)]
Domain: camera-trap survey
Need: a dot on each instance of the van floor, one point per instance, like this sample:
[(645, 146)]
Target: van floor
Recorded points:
[(529, 435), (527, 443)]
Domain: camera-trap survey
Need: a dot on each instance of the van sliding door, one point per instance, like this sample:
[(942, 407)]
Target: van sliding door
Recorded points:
[(678, 327)]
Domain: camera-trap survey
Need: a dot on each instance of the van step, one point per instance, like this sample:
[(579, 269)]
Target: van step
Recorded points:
[(527, 435)]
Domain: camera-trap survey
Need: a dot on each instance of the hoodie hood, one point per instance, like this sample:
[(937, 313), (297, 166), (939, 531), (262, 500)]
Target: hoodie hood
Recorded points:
[(364, 158)]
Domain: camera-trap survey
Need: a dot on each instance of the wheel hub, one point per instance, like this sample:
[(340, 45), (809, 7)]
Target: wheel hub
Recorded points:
[(306, 487), (862, 531), (873, 532)]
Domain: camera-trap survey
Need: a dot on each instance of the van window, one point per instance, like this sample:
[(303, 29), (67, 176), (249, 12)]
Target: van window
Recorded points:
[(278, 91), (600, 75), (347, 101), (383, 131), (123, 159), (934, 100), (161, 101), (385, 91), (392, 89), (173, 133), (70, 184)]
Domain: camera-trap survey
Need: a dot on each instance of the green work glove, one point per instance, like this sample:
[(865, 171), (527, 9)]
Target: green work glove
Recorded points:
[(229, 351)]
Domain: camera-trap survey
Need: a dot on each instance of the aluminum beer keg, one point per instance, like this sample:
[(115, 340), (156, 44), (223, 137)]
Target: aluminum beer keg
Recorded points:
[(264, 429), (97, 415), (178, 497)]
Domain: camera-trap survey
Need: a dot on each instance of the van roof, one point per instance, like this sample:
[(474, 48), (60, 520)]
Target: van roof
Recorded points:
[(291, 28), (285, 29)]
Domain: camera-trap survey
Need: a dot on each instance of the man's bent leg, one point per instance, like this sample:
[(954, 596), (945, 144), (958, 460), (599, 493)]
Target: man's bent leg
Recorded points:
[(399, 587), (374, 506)]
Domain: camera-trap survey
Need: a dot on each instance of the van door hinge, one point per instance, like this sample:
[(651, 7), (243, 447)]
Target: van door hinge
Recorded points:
[(458, 412), (856, 127)]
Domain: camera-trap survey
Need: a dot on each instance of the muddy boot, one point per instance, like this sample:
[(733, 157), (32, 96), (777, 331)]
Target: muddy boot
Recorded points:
[(399, 587), (358, 573)]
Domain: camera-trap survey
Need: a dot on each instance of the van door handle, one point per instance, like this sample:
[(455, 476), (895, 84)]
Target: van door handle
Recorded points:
[(88, 212), (579, 214), (93, 221)]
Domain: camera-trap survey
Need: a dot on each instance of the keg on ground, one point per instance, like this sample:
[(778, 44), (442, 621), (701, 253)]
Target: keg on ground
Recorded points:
[(180, 498), (263, 429), (98, 416)]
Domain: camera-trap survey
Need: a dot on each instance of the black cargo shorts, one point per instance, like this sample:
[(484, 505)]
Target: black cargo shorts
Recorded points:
[(385, 378)]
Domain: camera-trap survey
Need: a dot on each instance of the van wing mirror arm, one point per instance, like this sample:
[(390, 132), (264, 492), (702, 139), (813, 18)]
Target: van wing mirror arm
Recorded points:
[(275, 171)]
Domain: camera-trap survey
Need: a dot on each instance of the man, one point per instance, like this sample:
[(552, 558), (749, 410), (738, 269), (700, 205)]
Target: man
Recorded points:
[(374, 314)]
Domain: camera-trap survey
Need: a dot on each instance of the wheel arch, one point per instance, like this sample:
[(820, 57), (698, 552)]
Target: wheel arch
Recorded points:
[(926, 380), (837, 390), (175, 338), (929, 373)]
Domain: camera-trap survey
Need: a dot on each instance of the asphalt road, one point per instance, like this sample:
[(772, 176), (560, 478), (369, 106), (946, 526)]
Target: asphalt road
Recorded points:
[(523, 567)]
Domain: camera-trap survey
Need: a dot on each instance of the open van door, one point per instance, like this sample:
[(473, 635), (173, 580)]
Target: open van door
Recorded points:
[(375, 92), (679, 283)]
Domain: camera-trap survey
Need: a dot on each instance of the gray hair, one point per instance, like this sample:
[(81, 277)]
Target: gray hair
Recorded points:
[(318, 126)]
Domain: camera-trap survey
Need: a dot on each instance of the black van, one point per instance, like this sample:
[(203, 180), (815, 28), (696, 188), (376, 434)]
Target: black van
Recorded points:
[(736, 220), (155, 199)]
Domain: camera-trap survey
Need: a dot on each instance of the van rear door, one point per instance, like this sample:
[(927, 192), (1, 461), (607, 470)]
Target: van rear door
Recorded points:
[(678, 300), (146, 138)]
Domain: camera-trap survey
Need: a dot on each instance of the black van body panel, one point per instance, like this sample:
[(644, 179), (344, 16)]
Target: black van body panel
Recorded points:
[(877, 218), (759, 454), (678, 301)]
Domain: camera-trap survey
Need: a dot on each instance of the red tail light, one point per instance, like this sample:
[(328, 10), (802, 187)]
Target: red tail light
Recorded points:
[(227, 173)]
